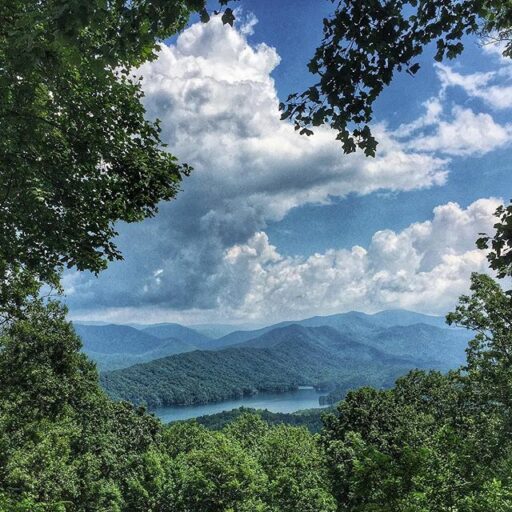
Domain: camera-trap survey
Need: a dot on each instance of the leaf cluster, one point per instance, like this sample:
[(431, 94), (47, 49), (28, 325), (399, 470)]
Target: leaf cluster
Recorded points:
[(77, 153), (365, 43)]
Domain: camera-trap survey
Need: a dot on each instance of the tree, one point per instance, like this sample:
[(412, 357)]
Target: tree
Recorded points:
[(295, 466), (77, 153), (488, 312), (433, 442), (219, 475), (366, 43), (500, 244)]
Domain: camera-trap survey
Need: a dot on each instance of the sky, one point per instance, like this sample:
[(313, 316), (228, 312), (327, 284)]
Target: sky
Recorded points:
[(272, 225)]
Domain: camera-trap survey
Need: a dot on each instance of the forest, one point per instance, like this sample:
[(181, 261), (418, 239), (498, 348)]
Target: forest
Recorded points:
[(309, 418), (283, 359), (432, 442), (77, 155)]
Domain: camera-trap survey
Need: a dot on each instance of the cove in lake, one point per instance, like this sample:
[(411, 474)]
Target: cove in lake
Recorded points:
[(290, 401)]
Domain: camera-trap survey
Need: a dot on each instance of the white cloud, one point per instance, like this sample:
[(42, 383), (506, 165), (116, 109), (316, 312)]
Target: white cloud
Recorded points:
[(433, 111), (465, 134), (219, 110), (461, 131), (425, 267), (206, 252), (481, 85)]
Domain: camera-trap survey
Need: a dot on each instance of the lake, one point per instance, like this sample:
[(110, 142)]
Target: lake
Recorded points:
[(290, 401)]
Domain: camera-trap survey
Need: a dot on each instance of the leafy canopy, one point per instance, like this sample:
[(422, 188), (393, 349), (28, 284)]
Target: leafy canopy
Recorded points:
[(76, 153), (434, 442), (366, 43)]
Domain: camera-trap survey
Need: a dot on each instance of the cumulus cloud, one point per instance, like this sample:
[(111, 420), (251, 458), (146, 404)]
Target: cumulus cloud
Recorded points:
[(425, 267), (458, 132), (466, 134), (218, 106)]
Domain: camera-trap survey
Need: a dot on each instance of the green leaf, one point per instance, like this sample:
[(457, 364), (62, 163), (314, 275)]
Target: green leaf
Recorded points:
[(228, 17)]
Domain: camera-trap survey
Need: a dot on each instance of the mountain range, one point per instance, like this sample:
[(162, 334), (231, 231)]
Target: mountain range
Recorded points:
[(353, 322), (114, 346), (121, 346), (346, 351)]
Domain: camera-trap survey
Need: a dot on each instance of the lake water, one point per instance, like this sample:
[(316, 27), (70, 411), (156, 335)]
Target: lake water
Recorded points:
[(290, 401)]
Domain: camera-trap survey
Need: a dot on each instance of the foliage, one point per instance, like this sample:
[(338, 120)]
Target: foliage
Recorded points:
[(65, 446), (434, 442), (77, 153), (62, 442), (500, 244), (309, 418), (366, 43)]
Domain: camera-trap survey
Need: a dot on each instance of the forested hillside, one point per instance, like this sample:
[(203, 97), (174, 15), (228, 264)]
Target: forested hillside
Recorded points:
[(309, 418), (281, 359), (421, 343)]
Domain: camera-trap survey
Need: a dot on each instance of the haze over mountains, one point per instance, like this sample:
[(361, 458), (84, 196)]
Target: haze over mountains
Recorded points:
[(118, 346), (353, 322), (167, 364)]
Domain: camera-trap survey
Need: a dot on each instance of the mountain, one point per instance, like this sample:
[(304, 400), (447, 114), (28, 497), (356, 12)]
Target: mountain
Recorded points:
[(425, 339), (170, 330), (309, 418), (120, 346), (437, 347), (114, 339), (353, 322), (279, 360), (402, 317), (219, 330), (441, 348)]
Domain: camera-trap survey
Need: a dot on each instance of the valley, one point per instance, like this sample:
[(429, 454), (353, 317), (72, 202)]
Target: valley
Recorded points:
[(168, 365)]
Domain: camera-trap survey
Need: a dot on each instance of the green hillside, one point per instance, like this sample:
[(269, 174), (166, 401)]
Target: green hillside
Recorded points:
[(286, 358), (311, 418)]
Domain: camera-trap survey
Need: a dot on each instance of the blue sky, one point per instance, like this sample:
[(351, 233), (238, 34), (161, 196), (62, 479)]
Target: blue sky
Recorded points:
[(272, 225), (355, 219)]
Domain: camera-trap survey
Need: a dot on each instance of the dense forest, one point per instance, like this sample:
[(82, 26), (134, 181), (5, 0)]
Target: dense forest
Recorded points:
[(433, 442), (309, 418), (77, 156), (286, 357), (66, 446), (279, 360)]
